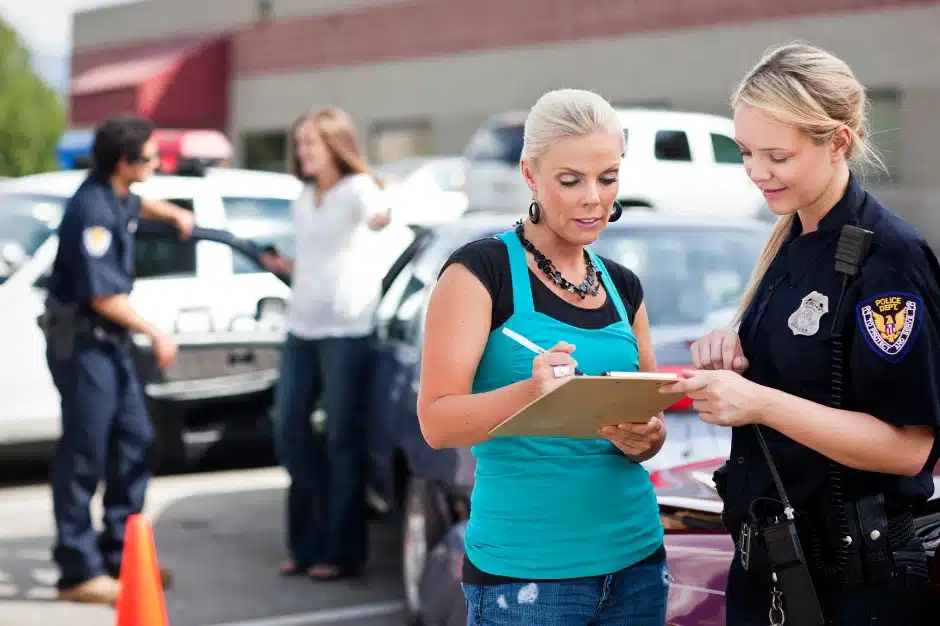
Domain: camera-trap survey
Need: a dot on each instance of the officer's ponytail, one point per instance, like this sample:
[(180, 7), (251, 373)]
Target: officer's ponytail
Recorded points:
[(806, 87)]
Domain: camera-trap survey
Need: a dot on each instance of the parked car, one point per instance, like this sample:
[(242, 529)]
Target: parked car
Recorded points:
[(228, 321), (693, 270), (427, 190), (699, 551), (675, 162)]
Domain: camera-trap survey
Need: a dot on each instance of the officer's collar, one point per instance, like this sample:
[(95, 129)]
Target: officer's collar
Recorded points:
[(803, 251), (843, 212)]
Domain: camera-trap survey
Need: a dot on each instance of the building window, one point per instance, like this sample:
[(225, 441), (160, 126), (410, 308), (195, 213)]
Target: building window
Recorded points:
[(885, 131), (265, 151), (393, 141)]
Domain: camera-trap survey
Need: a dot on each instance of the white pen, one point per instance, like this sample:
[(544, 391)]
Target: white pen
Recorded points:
[(525, 343)]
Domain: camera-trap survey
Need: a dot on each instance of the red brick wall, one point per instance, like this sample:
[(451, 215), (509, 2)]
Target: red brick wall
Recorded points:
[(437, 27)]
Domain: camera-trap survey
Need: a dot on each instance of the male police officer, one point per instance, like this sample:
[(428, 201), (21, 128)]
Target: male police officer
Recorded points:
[(106, 430)]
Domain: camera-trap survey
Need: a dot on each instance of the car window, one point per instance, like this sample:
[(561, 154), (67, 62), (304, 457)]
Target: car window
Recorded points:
[(26, 221), (496, 142), (672, 145), (726, 149), (165, 257), (405, 324), (687, 274), (243, 208)]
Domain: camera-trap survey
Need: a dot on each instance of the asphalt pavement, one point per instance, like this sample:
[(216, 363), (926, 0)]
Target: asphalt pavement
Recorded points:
[(221, 534)]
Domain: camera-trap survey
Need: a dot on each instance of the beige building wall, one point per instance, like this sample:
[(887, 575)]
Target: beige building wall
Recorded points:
[(159, 19), (895, 53)]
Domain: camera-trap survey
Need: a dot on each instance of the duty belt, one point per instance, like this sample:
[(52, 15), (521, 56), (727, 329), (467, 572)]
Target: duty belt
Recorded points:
[(101, 334)]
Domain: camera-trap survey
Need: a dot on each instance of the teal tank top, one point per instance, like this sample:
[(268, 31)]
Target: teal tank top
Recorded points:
[(549, 508)]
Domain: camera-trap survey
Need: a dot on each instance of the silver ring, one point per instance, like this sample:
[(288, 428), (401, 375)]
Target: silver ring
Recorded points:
[(561, 371)]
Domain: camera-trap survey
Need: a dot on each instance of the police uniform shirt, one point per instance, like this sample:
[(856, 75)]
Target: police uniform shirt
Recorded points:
[(890, 316), (95, 255)]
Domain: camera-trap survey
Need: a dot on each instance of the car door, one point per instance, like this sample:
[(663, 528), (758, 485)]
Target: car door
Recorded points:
[(30, 409)]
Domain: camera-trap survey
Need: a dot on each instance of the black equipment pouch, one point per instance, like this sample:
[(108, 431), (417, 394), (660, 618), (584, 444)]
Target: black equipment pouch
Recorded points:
[(787, 562), (59, 325), (792, 574), (872, 528)]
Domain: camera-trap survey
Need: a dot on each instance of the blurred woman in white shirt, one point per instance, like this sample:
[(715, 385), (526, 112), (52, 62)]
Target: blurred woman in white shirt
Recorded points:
[(335, 290)]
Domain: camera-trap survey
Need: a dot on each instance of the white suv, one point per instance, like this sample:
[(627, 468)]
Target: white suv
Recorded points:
[(676, 162), (226, 312)]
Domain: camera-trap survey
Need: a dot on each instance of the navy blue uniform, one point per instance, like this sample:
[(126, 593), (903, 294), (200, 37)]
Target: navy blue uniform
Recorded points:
[(106, 430), (891, 366)]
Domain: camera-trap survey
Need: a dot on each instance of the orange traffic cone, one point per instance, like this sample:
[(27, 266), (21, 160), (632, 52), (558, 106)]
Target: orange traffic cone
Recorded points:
[(141, 600)]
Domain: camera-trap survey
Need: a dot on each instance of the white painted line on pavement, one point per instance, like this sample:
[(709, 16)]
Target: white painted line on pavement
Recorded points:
[(326, 616)]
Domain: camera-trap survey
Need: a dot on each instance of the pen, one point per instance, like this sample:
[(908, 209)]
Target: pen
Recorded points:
[(525, 343)]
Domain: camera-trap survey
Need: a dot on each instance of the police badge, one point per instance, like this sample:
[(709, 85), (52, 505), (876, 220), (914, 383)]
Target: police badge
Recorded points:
[(890, 322), (805, 320)]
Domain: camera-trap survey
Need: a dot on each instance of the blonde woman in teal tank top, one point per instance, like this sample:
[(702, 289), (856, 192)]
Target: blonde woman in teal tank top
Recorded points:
[(561, 531)]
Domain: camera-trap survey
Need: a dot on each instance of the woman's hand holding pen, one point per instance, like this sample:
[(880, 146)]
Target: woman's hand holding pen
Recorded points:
[(638, 442), (553, 368)]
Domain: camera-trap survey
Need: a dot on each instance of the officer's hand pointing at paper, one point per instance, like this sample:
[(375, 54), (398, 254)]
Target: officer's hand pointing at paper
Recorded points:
[(721, 397)]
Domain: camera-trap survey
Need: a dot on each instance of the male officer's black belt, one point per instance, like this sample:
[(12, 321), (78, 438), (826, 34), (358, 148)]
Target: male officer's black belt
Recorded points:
[(101, 334)]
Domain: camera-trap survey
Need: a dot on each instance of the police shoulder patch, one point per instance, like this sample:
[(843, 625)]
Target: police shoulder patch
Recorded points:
[(889, 322), (97, 240)]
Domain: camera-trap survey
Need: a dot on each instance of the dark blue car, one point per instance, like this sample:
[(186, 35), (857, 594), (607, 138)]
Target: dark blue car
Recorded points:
[(693, 272)]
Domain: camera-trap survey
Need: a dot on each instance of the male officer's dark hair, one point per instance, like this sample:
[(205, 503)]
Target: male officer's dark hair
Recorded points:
[(119, 137)]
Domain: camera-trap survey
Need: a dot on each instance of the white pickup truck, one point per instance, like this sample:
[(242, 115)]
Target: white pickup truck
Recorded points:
[(226, 312), (676, 162)]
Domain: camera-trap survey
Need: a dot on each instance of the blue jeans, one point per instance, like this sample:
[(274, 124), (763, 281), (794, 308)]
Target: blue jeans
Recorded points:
[(635, 596), (326, 522)]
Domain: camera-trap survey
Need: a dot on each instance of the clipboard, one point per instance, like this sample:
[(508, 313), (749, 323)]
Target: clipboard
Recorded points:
[(583, 404)]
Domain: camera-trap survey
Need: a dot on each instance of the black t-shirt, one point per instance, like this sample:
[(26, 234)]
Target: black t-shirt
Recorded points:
[(488, 259)]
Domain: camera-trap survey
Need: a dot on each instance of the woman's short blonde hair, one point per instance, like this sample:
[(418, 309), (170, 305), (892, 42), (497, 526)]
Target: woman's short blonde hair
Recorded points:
[(567, 113), (812, 89)]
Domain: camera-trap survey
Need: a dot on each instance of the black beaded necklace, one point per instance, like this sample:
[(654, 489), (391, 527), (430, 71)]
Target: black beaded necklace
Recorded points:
[(590, 285)]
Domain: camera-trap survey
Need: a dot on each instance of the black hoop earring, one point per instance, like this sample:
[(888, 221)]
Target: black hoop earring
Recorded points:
[(616, 212), (535, 212)]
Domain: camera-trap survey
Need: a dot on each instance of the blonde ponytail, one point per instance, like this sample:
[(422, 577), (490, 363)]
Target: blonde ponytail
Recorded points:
[(777, 236), (815, 91)]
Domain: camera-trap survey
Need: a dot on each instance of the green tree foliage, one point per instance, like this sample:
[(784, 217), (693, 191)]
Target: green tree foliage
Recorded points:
[(32, 116)]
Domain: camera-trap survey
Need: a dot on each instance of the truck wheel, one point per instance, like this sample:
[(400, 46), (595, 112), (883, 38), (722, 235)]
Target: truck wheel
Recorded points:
[(169, 449), (423, 529)]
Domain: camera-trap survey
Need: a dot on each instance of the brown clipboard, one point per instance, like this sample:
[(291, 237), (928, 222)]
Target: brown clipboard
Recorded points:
[(583, 404)]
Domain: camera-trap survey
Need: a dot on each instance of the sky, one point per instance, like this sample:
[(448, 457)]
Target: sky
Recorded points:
[(45, 26)]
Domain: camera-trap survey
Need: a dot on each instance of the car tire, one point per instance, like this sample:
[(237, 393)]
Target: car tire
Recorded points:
[(169, 449), (423, 528)]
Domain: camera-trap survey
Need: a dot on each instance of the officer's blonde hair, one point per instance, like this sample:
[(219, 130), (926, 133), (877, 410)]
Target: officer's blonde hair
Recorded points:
[(810, 88), (567, 113)]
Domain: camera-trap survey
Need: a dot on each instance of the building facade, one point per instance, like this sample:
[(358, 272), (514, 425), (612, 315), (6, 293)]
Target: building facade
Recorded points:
[(420, 76)]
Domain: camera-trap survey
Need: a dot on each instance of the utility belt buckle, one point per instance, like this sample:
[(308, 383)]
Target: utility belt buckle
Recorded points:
[(744, 544)]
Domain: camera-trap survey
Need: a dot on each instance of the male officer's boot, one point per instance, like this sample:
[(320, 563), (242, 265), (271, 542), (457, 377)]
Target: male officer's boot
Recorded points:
[(98, 590)]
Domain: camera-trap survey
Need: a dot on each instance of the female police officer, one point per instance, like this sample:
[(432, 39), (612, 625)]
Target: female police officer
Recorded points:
[(838, 347)]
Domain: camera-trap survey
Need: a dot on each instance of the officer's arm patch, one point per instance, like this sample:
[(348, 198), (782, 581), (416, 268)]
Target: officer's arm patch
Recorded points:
[(97, 240), (889, 322)]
